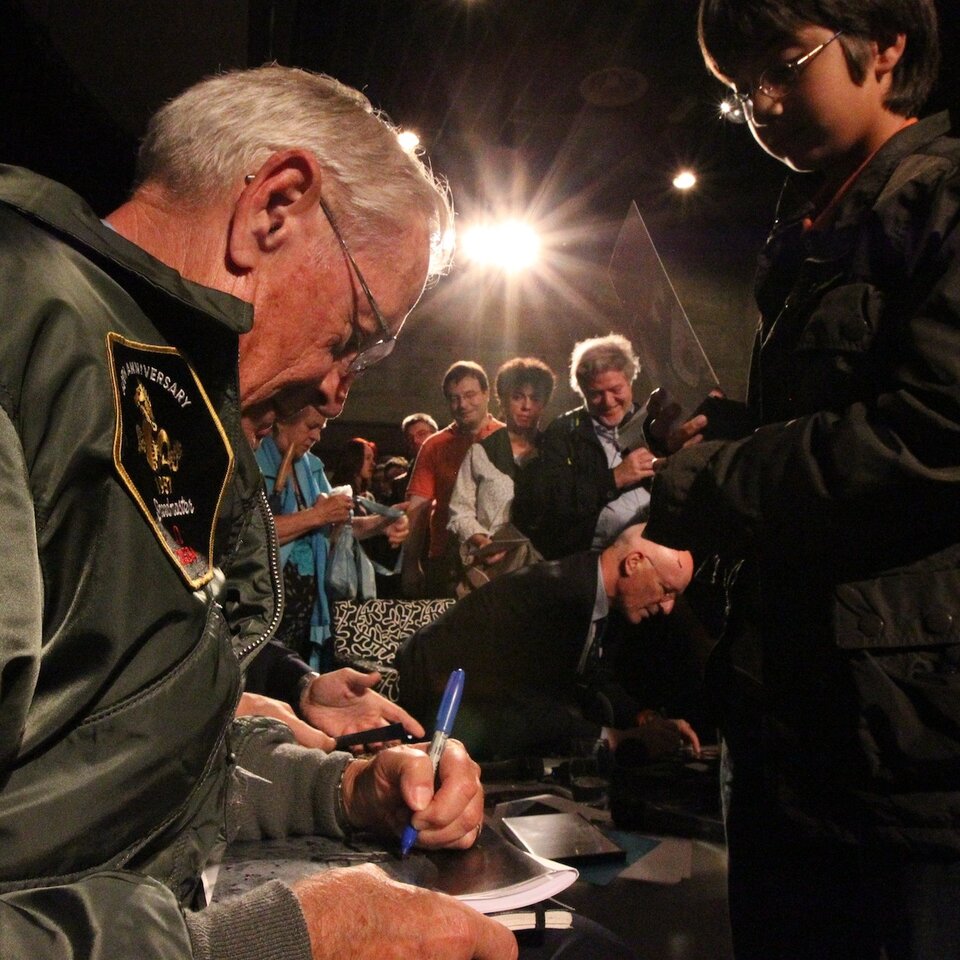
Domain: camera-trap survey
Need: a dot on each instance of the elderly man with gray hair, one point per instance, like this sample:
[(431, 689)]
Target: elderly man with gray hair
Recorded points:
[(277, 222), (586, 487)]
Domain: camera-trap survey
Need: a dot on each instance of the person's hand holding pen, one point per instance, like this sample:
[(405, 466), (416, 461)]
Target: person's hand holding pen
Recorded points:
[(396, 788), (360, 912), (446, 715)]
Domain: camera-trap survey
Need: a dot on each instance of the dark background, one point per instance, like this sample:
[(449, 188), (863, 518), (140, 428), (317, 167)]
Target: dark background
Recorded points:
[(562, 111)]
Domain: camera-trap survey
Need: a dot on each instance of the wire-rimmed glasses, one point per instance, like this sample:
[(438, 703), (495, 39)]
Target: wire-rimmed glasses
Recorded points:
[(371, 353), (775, 82)]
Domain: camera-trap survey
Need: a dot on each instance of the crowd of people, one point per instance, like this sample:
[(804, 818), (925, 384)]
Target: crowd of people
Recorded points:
[(173, 545), (471, 469)]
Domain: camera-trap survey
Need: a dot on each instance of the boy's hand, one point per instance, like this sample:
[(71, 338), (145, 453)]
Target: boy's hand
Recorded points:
[(665, 426)]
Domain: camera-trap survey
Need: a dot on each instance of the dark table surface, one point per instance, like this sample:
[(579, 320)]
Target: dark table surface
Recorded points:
[(684, 920), (681, 921)]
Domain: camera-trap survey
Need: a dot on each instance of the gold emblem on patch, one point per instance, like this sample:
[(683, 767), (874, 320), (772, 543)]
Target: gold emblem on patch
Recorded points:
[(170, 450), (153, 442)]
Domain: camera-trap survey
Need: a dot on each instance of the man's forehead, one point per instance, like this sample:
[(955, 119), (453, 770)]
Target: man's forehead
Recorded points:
[(672, 566), (608, 380), (463, 385)]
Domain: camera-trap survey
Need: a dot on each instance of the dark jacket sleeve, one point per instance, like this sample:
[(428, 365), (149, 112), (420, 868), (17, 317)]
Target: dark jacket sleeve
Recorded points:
[(105, 916), (276, 672), (560, 494)]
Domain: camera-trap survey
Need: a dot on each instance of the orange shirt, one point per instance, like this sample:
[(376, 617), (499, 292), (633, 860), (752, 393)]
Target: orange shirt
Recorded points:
[(435, 473)]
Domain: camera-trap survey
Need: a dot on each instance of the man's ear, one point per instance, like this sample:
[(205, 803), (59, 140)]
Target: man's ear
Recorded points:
[(631, 563), (274, 207), (889, 56)]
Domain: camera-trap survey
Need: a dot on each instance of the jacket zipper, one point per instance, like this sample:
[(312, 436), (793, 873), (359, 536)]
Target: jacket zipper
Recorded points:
[(273, 559)]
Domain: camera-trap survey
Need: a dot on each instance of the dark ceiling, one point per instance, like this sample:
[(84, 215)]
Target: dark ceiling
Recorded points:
[(546, 105)]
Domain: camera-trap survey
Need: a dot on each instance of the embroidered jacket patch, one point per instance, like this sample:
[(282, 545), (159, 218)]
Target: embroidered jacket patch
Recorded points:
[(170, 450)]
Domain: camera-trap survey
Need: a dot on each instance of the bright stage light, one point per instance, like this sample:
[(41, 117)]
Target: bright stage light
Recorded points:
[(685, 180), (510, 246)]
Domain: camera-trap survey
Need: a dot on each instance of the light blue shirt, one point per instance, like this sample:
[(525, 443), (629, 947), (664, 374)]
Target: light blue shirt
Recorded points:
[(632, 506)]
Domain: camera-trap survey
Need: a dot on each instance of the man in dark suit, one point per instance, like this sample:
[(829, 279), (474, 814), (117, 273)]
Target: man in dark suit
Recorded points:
[(532, 645)]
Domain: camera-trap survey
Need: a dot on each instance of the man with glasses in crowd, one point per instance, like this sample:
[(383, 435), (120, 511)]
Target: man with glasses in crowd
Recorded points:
[(139, 575), (467, 392), (838, 681)]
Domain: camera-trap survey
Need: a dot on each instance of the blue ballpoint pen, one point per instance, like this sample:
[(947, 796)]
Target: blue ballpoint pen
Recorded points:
[(441, 733)]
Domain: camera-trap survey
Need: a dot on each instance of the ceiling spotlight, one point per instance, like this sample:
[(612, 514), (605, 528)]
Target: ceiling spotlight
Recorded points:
[(732, 109), (408, 140), (510, 246), (685, 180)]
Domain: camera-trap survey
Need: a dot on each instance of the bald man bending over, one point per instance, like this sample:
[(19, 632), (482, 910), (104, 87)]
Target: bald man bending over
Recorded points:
[(531, 644)]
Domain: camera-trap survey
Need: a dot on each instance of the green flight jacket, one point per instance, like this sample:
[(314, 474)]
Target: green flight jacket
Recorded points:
[(137, 578)]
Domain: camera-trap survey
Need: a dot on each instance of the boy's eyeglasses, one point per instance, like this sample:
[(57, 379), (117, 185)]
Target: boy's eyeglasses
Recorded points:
[(775, 82)]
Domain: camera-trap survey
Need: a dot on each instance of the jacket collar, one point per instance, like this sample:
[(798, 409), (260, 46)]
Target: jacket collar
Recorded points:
[(875, 176), (61, 211), (871, 180)]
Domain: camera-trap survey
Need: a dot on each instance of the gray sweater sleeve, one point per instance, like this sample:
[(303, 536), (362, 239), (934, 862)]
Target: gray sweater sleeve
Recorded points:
[(264, 924), (280, 789)]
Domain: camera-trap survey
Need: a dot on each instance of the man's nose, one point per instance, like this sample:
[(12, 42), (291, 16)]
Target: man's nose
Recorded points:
[(345, 383), (337, 379), (762, 107)]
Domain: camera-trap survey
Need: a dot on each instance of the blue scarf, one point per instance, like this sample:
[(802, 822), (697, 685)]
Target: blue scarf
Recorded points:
[(312, 482)]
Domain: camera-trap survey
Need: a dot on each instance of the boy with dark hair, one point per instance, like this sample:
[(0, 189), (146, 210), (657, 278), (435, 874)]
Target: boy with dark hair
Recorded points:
[(728, 30), (838, 681)]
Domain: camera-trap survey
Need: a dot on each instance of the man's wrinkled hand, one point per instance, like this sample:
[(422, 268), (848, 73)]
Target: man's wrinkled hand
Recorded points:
[(359, 912), (396, 787)]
